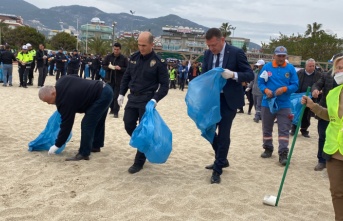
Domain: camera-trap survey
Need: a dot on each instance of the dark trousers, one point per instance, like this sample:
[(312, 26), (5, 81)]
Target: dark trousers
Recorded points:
[(42, 75), (172, 84), (305, 122), (30, 73), (93, 123), (322, 125), (51, 70), (94, 73), (221, 142), (250, 99), (81, 71), (73, 71), (131, 117), (182, 83), (59, 72), (21, 75), (335, 173), (114, 105)]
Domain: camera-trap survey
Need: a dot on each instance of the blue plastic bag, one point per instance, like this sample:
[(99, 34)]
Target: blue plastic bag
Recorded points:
[(203, 101), (296, 106), (102, 73), (48, 136), (152, 136), (86, 71), (273, 107)]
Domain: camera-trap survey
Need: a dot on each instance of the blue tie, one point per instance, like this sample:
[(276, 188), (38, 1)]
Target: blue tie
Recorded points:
[(217, 61)]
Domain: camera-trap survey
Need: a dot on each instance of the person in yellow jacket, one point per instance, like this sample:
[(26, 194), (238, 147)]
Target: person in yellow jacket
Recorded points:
[(333, 147), (24, 63), (172, 77), (33, 63)]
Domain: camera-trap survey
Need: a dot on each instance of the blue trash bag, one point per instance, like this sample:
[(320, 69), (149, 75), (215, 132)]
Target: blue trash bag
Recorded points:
[(102, 73), (273, 107), (48, 136), (203, 101), (152, 136), (296, 106), (86, 71)]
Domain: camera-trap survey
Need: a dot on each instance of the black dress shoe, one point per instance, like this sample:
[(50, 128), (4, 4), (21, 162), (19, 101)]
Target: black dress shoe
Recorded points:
[(95, 150), (77, 158), (135, 168), (215, 178), (210, 167)]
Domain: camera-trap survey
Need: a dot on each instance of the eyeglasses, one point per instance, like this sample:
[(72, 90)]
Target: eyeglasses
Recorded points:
[(281, 55)]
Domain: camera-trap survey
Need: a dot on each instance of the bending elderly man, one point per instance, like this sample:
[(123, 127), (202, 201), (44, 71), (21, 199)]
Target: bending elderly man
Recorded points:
[(72, 95)]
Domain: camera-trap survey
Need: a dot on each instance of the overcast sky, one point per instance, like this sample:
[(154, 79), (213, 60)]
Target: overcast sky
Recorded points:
[(253, 19)]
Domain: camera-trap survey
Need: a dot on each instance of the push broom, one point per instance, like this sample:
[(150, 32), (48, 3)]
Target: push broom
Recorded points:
[(270, 199)]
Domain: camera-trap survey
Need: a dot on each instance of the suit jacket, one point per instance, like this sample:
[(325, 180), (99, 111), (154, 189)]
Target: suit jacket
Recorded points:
[(236, 61)]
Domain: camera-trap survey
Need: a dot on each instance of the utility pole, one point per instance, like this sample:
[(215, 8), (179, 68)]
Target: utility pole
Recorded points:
[(87, 39), (113, 36), (132, 13), (77, 33)]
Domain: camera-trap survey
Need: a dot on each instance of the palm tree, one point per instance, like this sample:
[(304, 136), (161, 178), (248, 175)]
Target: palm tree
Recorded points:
[(98, 45), (314, 30), (128, 45), (225, 29)]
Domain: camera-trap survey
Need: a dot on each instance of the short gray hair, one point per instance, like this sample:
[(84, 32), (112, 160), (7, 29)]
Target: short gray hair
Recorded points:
[(45, 91), (310, 60)]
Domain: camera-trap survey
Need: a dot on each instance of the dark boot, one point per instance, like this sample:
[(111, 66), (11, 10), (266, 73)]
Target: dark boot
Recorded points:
[(283, 158)]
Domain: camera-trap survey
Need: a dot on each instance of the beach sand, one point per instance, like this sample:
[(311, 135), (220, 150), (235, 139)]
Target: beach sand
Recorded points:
[(35, 186)]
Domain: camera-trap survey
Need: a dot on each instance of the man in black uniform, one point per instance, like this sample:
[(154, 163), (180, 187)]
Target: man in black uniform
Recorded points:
[(145, 74), (74, 63), (42, 64), (115, 65), (72, 95), (60, 60), (84, 61), (51, 59)]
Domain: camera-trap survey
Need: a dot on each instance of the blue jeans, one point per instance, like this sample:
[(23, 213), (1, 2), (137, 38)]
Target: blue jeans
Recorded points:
[(7, 70), (93, 123)]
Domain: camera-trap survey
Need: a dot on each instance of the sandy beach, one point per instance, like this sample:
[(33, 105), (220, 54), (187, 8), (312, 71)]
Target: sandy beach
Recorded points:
[(35, 186)]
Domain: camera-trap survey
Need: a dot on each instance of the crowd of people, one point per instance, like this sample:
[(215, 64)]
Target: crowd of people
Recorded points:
[(145, 76)]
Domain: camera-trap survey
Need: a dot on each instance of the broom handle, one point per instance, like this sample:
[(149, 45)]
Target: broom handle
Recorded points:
[(292, 147)]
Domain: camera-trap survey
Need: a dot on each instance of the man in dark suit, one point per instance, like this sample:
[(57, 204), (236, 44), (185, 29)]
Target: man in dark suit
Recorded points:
[(236, 70)]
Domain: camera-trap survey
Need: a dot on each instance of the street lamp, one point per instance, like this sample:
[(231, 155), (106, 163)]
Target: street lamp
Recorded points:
[(233, 31), (113, 36), (132, 13)]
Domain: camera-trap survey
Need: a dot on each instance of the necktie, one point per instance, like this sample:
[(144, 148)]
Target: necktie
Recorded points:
[(217, 61)]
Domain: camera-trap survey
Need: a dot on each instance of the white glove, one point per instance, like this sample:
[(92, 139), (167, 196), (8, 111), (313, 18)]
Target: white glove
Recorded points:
[(52, 150), (264, 75), (110, 66), (120, 100), (248, 89), (154, 102), (228, 74)]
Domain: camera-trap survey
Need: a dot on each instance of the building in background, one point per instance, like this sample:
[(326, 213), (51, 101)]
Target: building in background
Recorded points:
[(12, 21), (96, 29)]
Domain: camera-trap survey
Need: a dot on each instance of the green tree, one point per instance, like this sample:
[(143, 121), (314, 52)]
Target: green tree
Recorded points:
[(22, 35), (128, 45), (314, 30), (244, 47), (98, 45), (64, 40), (226, 29)]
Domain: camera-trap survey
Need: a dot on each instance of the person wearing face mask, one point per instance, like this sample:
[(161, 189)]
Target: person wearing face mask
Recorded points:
[(333, 146), (320, 90), (278, 80)]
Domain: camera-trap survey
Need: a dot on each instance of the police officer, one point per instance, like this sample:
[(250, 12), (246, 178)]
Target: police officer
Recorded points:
[(74, 63), (24, 58), (60, 60), (145, 74), (51, 59), (33, 63), (115, 65)]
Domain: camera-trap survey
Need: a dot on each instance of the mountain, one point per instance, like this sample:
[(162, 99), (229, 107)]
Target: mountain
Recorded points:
[(75, 15), (53, 18)]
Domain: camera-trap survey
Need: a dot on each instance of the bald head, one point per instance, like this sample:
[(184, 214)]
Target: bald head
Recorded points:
[(145, 42), (47, 94)]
